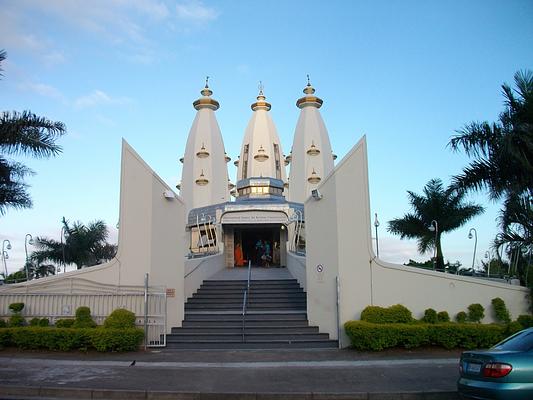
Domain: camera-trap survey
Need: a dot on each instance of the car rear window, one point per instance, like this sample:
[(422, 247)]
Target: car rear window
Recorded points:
[(520, 342)]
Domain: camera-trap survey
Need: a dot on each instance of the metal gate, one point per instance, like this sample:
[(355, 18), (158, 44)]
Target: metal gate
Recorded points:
[(149, 304)]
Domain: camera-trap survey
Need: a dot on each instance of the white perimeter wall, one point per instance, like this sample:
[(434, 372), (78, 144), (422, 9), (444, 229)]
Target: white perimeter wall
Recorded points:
[(199, 269), (296, 266), (150, 241), (339, 240)]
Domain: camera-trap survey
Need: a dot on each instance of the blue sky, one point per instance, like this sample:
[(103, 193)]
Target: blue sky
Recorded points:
[(405, 73)]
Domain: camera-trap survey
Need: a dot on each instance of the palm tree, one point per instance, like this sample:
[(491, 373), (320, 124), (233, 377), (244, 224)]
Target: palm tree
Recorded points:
[(502, 151), (502, 163), (443, 206), (23, 134), (83, 246)]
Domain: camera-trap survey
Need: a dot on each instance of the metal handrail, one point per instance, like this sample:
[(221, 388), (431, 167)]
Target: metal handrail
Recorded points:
[(245, 298)]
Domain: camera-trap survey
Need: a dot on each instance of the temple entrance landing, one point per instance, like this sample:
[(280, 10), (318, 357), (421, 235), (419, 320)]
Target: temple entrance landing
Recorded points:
[(264, 245)]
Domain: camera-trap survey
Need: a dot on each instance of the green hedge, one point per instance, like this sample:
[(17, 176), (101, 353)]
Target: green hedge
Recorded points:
[(119, 319), (386, 315), (65, 339), (501, 313), (369, 336), (526, 321)]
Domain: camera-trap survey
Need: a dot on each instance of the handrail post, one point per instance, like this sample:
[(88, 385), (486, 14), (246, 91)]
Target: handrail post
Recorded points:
[(146, 311), (245, 298)]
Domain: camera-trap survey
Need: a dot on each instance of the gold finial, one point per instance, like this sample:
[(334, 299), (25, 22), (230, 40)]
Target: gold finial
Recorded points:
[(261, 104), (309, 99), (206, 101)]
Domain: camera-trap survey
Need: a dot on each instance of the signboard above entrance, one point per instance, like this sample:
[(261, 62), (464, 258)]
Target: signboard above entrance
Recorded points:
[(255, 217)]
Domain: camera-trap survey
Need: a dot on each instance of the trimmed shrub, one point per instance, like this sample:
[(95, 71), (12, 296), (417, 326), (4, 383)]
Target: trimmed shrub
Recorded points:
[(501, 313), (120, 319), (430, 316), (461, 317), (64, 323), (16, 307), (387, 315), (83, 318), (16, 320), (3, 323), (443, 316), (476, 312), (108, 339), (526, 321), (513, 327), (368, 336), (35, 321), (65, 339), (44, 322)]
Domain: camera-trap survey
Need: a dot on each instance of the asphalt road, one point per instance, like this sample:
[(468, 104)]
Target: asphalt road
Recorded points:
[(216, 374)]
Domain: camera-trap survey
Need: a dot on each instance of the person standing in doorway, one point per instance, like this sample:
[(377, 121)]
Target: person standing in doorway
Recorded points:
[(239, 260), (259, 251)]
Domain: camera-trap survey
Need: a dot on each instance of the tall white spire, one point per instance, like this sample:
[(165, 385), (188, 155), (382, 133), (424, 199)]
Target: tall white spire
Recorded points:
[(261, 153), (204, 179), (311, 158)]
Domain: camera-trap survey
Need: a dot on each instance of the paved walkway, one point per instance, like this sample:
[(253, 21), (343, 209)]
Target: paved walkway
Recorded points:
[(259, 273), (294, 374)]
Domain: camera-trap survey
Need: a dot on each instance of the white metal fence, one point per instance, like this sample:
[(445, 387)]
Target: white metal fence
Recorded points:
[(56, 306)]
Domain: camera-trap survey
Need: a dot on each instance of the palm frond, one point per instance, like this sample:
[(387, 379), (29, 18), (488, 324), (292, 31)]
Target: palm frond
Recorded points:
[(29, 134), (3, 56)]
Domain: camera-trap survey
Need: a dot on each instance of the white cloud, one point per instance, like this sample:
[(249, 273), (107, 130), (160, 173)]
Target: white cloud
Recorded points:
[(196, 11), (42, 90), (99, 98), (15, 38)]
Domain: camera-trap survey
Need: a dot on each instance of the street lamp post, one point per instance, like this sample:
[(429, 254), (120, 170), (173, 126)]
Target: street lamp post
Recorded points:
[(434, 227), (470, 236), (6, 245), (26, 242), (376, 225), (489, 260)]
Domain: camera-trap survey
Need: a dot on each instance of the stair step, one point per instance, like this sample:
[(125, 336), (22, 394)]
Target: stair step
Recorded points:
[(317, 344), (251, 300), (252, 282), (251, 307), (251, 324), (236, 337), (258, 294), (267, 330), (297, 316)]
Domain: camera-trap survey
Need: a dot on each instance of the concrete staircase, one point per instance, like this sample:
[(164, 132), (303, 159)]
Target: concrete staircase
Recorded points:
[(276, 318)]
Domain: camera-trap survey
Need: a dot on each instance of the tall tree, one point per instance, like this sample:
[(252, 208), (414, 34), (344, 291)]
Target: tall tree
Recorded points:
[(502, 164), (83, 246), (23, 134), (444, 206)]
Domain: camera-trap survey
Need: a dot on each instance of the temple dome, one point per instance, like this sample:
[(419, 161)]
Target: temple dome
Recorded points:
[(311, 157), (261, 153), (204, 174)]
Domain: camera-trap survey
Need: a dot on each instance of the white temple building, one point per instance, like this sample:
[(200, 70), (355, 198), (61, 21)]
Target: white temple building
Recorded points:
[(265, 200), (181, 260)]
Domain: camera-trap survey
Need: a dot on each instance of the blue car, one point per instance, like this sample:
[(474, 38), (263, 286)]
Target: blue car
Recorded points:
[(505, 371)]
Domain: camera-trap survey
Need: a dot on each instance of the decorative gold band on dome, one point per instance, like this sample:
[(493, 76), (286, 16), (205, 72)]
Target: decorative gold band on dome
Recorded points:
[(309, 100), (206, 102), (261, 104)]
